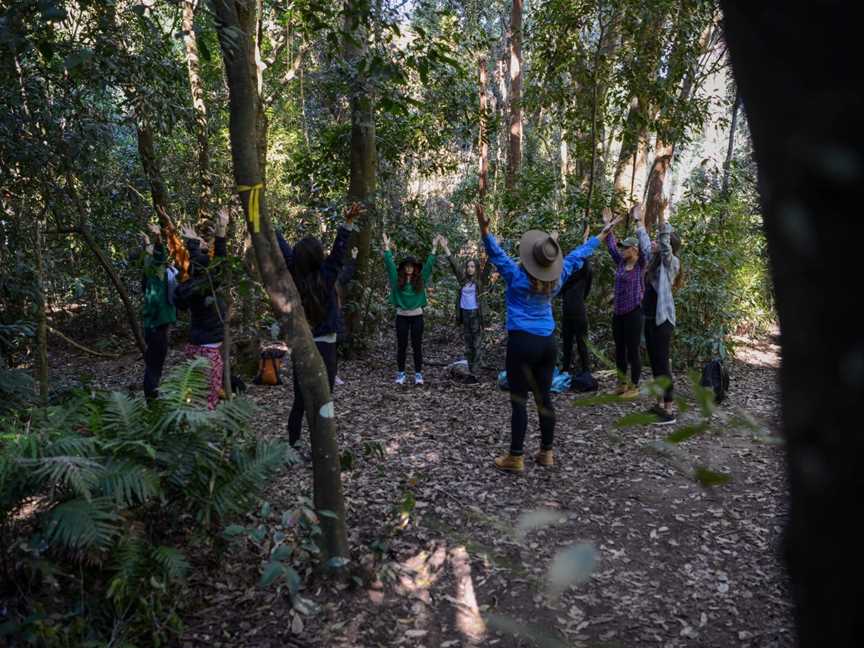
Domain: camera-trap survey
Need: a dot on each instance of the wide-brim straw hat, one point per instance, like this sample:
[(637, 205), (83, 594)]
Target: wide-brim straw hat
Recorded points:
[(541, 255)]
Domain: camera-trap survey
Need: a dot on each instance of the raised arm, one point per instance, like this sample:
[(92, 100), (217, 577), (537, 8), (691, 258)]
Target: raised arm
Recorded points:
[(576, 258), (506, 266), (333, 263), (286, 249), (611, 241), (390, 264), (426, 272), (457, 272)]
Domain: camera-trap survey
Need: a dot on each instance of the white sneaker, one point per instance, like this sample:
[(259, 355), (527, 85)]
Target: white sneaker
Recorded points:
[(338, 381), (400, 378), (418, 378)]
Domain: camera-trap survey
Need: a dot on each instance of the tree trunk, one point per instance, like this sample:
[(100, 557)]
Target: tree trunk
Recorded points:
[(153, 171), (41, 319), (227, 341), (196, 85), (236, 21), (131, 312), (594, 108), (364, 159), (483, 138), (806, 118), (730, 150), (515, 151), (654, 197)]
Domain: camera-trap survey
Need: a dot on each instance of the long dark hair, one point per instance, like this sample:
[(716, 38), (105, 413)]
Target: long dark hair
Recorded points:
[(306, 270), (416, 277)]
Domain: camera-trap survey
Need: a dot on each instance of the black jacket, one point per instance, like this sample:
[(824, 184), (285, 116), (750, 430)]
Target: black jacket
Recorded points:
[(329, 273), (200, 295), (575, 292)]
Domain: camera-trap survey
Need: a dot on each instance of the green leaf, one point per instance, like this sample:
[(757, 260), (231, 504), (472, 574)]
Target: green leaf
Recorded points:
[(328, 514), (233, 530), (709, 478), (686, 432), (282, 552), (636, 418), (600, 399), (337, 562), (272, 572)]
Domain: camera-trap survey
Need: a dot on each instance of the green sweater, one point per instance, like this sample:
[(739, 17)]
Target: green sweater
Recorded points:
[(407, 298), (157, 310)]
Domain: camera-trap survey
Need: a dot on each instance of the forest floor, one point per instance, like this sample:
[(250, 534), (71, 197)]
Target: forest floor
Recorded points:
[(678, 563)]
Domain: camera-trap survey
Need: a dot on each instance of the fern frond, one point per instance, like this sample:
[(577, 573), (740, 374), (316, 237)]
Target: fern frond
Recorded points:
[(129, 484), (187, 386), (251, 470), (124, 415), (71, 445), (82, 524), (130, 563), (233, 416), (172, 562), (76, 474)]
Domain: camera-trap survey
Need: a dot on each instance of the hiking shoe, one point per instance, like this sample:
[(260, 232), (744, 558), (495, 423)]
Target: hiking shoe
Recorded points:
[(664, 416), (400, 378), (338, 381), (630, 392), (510, 463), (418, 378), (620, 389), (545, 458)]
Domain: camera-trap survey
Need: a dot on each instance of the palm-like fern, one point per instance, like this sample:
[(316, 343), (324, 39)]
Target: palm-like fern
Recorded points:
[(81, 524)]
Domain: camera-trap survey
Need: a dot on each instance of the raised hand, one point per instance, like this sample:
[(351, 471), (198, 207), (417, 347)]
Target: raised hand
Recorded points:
[(636, 213), (607, 215), (354, 253), (444, 244), (187, 232), (586, 233), (352, 211), (386, 240), (155, 230), (222, 222)]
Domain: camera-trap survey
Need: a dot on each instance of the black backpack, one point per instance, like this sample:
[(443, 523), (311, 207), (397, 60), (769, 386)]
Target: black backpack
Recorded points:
[(583, 382), (715, 376)]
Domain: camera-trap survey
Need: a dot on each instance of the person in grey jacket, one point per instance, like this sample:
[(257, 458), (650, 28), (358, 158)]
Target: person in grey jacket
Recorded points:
[(662, 276)]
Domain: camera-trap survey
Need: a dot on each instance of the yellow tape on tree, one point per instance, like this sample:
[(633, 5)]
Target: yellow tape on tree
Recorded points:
[(254, 204)]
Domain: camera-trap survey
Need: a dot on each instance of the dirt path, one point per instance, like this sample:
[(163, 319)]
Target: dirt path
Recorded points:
[(678, 564)]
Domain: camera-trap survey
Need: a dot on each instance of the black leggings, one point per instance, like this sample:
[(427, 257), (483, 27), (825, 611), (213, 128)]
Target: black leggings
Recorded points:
[(156, 339), (627, 331), (658, 340), (295, 418), (530, 365), (577, 329), (412, 324)]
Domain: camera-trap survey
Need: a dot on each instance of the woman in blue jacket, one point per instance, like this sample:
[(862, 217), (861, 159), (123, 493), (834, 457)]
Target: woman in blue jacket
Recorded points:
[(531, 350)]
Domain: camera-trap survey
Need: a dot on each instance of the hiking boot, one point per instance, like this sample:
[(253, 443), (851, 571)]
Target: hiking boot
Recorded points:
[(545, 458), (418, 378), (620, 389), (510, 463), (664, 416), (630, 392), (400, 378)]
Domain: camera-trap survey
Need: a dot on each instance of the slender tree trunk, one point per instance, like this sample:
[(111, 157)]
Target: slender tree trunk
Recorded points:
[(483, 138), (799, 78), (515, 151), (364, 159), (595, 81), (730, 150), (196, 85), (153, 171), (41, 318), (236, 20), (227, 341)]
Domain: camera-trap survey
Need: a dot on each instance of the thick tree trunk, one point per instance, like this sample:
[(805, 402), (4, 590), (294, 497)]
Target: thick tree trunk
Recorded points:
[(364, 160), (196, 85), (654, 195), (798, 75), (514, 157), (236, 21), (730, 149)]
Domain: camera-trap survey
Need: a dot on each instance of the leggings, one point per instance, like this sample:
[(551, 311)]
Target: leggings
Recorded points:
[(156, 339), (530, 365), (658, 339), (413, 325), (627, 331), (295, 418), (214, 355), (575, 329)]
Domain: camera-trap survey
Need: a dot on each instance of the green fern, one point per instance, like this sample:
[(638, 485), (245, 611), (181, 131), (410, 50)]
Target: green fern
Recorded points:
[(79, 475), (129, 484), (124, 415), (81, 524), (171, 561), (187, 386), (252, 469)]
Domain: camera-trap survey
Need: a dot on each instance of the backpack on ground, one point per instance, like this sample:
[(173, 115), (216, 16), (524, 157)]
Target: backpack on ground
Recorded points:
[(583, 382), (716, 377), (268, 367)]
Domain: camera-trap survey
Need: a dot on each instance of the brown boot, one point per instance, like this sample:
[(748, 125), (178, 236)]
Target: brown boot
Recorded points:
[(545, 458), (630, 392), (510, 463)]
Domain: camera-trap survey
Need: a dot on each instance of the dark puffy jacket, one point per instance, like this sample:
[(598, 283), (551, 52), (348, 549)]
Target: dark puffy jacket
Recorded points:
[(199, 295), (329, 274), (575, 292)]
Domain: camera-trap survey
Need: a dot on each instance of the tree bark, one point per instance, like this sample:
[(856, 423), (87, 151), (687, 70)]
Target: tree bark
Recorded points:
[(236, 21), (594, 108), (196, 86), (806, 118), (730, 150), (41, 318), (364, 158), (515, 150), (153, 171), (483, 138)]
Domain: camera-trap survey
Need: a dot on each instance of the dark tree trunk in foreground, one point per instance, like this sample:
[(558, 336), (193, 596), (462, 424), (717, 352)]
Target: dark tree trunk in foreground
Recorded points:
[(796, 67), (236, 20), (364, 156)]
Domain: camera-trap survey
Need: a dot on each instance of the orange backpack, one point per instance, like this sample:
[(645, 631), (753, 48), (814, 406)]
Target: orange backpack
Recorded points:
[(268, 367)]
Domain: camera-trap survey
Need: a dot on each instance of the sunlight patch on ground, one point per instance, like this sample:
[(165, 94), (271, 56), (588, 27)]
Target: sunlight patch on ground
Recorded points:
[(468, 618)]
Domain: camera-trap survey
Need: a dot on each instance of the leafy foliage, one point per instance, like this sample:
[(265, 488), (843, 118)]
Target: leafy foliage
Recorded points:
[(116, 479)]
